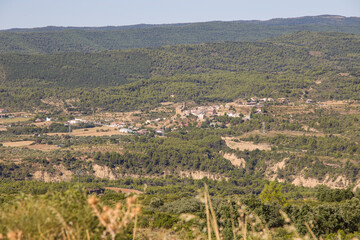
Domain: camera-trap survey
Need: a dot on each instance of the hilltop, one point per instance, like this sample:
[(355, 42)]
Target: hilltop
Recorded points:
[(92, 39)]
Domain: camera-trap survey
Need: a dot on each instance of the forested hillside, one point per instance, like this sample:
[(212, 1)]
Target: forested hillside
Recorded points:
[(317, 65), (61, 39)]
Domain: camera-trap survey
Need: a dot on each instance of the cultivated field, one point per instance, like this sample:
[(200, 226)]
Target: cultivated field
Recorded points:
[(96, 131), (13, 120), (43, 147), (18, 144)]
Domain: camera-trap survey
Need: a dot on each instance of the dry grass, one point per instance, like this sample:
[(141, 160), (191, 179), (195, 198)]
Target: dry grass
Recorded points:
[(43, 147), (13, 120), (42, 124), (96, 131), (117, 219), (248, 225), (67, 216), (18, 144)]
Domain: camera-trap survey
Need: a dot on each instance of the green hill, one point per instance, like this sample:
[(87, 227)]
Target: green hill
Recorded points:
[(61, 39), (287, 66)]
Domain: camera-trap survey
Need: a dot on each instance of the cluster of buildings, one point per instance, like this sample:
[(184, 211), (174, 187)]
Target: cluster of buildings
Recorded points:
[(141, 131), (201, 112), (117, 124), (154, 121), (77, 121), (258, 102)]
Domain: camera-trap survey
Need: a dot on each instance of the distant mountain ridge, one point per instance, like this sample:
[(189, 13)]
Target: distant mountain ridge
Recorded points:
[(324, 19), (92, 39)]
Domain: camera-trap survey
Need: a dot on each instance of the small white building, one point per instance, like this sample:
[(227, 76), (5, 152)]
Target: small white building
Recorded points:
[(233, 115), (126, 130)]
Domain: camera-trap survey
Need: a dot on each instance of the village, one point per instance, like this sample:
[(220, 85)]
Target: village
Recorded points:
[(170, 116)]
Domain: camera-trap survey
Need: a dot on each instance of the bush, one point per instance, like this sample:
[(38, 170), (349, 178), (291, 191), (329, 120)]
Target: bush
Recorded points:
[(183, 206), (163, 220)]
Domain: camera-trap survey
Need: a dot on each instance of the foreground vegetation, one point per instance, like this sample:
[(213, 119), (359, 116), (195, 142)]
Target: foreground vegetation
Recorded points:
[(63, 211)]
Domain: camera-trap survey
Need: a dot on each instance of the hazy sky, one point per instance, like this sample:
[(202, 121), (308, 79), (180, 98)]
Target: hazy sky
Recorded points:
[(40, 13)]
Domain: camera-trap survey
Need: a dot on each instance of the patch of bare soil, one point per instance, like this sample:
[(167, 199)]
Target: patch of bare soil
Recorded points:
[(43, 147), (271, 171), (103, 172), (315, 53), (309, 129), (344, 74), (18, 144), (333, 103), (123, 190), (62, 174), (167, 103), (42, 124), (244, 145), (338, 182), (7, 121), (96, 131), (238, 162)]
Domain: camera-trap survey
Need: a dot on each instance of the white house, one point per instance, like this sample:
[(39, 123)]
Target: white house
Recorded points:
[(126, 130)]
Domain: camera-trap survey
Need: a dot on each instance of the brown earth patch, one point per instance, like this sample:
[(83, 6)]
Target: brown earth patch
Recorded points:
[(123, 190), (245, 145), (167, 103), (344, 74), (62, 174), (238, 162), (42, 124), (13, 120), (18, 144), (96, 131), (315, 53), (338, 182), (103, 172), (43, 147)]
